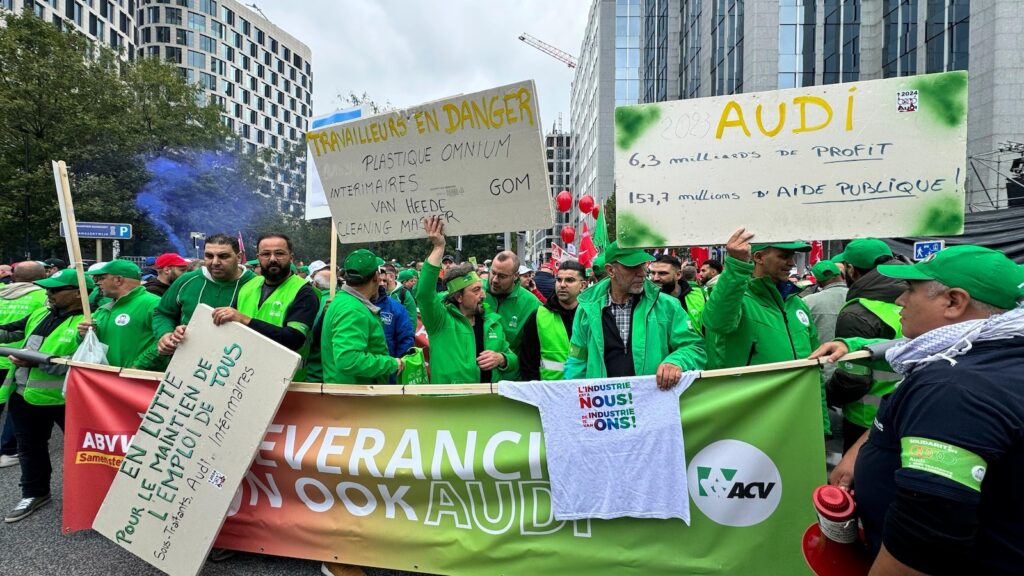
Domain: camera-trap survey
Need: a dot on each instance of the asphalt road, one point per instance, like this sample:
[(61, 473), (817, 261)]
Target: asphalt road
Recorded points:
[(35, 546)]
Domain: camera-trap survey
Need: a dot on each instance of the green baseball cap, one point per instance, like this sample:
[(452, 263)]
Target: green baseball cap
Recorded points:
[(598, 263), (303, 269), (987, 275), (625, 256), (253, 262), (794, 246), (825, 270), (360, 265), (66, 278), (407, 274), (862, 252), (122, 268)]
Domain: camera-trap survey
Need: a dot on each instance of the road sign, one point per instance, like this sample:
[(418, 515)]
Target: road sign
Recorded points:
[(102, 230), (925, 249)]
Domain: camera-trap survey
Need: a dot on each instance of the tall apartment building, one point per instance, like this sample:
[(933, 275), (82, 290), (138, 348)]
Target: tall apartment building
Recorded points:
[(607, 75), (259, 75), (719, 47), (558, 151)]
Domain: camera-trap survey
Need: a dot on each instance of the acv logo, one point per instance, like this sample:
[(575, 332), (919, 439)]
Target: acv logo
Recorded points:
[(734, 484)]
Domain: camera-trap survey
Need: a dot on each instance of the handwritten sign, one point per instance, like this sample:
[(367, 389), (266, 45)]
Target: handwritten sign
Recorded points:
[(881, 158), (195, 444), (477, 161)]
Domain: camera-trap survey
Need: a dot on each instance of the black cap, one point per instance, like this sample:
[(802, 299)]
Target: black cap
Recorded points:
[(448, 257), (55, 263)]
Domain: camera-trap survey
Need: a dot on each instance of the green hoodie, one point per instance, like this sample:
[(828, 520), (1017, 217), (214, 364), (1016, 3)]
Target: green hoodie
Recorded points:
[(188, 291), (746, 323), (353, 347), (661, 334), (125, 325), (452, 342)]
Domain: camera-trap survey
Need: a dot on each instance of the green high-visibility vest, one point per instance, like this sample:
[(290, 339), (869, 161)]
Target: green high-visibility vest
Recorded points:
[(42, 389), (554, 344), (16, 309), (275, 307), (862, 412)]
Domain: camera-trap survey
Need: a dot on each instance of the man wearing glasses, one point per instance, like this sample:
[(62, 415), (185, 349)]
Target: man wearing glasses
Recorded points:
[(280, 304), (508, 299), (33, 390)]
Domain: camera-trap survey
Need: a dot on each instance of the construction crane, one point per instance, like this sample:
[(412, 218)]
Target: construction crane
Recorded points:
[(548, 49)]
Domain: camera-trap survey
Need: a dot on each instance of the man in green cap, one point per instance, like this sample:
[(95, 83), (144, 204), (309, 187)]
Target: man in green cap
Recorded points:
[(33, 391), (938, 478), (870, 312), (625, 326), (467, 341), (403, 292), (125, 322), (215, 284), (754, 315), (353, 347), (829, 298)]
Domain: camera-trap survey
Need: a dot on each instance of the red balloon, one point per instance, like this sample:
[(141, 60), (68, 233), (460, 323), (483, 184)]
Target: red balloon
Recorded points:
[(596, 212), (586, 203), (568, 234), (563, 201)]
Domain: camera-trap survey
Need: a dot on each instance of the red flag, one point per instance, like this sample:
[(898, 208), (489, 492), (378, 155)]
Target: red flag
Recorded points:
[(817, 253), (699, 254), (587, 249)]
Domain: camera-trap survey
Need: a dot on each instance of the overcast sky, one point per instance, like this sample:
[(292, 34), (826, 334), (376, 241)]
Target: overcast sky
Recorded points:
[(408, 52)]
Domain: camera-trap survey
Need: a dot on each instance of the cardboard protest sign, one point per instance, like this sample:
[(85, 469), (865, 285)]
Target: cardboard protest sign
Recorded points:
[(195, 443), (881, 158), (475, 160)]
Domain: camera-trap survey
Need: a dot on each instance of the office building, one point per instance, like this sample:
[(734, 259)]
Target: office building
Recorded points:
[(558, 151), (259, 75)]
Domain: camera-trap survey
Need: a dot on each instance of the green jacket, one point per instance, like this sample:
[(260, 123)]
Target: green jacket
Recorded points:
[(452, 342), (514, 309), (17, 301), (188, 291), (353, 348), (746, 323), (661, 334), (125, 325)]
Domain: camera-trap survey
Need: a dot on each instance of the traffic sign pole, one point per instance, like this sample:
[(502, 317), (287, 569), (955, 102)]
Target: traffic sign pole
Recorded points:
[(99, 250)]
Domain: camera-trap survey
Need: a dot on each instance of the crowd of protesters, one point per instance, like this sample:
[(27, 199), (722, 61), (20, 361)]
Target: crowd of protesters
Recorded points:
[(932, 425)]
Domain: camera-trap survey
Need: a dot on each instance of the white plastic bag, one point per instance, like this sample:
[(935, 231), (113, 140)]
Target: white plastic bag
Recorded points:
[(91, 349)]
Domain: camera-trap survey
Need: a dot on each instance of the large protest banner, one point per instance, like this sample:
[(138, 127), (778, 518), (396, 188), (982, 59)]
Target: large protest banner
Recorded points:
[(476, 160), (458, 485), (879, 158), (194, 443)]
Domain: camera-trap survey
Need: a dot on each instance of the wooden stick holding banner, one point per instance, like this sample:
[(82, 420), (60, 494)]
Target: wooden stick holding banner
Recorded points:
[(67, 215), (334, 258)]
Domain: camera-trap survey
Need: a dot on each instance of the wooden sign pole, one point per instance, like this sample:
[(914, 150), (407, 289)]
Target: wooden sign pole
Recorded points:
[(67, 212)]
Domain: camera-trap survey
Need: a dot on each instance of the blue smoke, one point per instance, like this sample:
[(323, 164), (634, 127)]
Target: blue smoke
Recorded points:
[(199, 191)]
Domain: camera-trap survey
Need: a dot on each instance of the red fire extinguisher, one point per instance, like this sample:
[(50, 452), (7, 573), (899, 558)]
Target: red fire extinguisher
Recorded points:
[(832, 546)]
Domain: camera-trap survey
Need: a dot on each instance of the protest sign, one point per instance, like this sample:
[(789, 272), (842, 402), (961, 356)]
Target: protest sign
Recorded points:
[(476, 160), (197, 438), (459, 485), (880, 158)]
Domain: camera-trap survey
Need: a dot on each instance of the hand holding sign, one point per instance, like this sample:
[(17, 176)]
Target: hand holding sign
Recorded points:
[(434, 227), (738, 245)]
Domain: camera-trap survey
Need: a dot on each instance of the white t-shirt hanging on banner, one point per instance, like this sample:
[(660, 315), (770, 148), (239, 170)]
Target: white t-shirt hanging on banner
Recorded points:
[(614, 446)]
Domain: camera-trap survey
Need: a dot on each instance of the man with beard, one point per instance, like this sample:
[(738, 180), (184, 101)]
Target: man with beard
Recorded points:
[(624, 326), (279, 304), (168, 268), (666, 272), (547, 331), (216, 284), (467, 345), (509, 300)]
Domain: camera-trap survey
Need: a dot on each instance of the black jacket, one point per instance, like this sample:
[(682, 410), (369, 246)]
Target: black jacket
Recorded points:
[(855, 320)]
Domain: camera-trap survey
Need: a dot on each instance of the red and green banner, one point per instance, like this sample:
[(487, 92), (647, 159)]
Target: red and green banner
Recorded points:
[(458, 485)]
